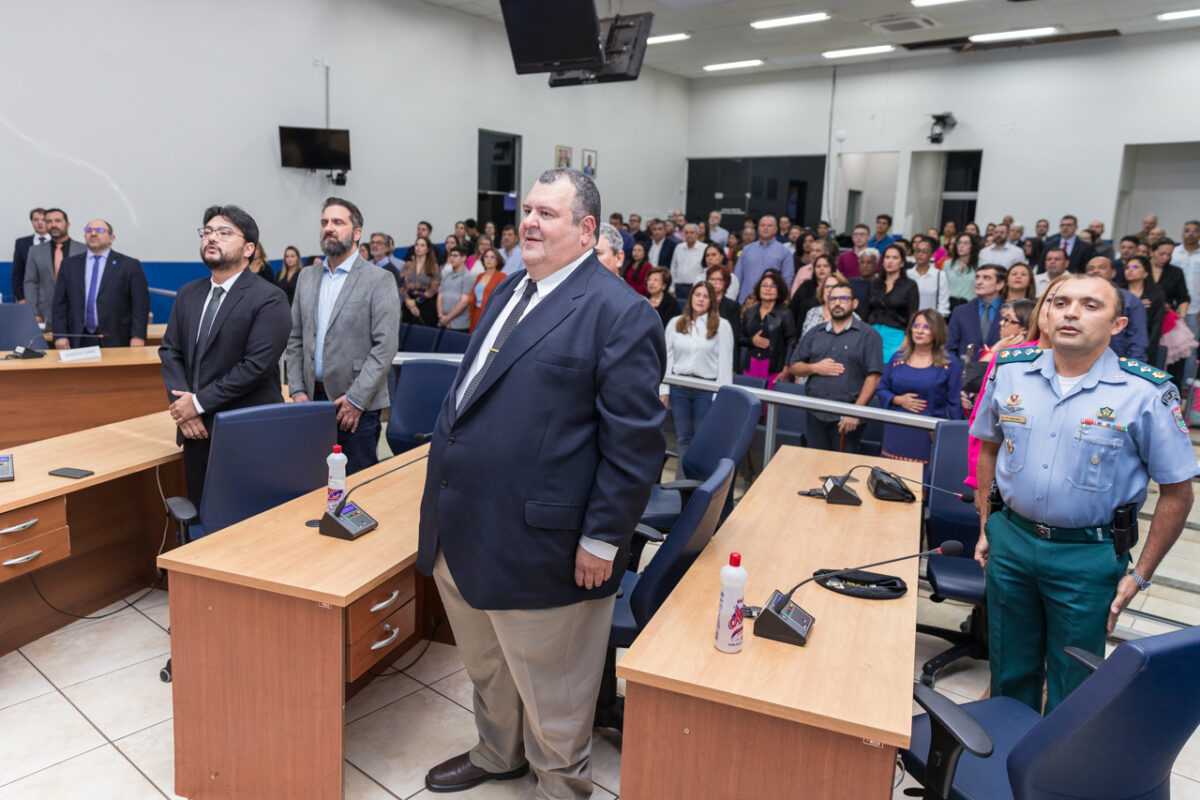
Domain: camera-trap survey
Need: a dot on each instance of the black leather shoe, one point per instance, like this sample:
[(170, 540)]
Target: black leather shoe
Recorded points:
[(459, 773)]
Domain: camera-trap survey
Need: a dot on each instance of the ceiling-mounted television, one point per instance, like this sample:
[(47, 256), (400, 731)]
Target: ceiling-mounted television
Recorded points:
[(314, 148), (553, 35)]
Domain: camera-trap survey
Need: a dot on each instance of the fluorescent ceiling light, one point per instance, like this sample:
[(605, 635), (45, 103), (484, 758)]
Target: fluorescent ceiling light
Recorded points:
[(780, 22), (923, 3), (754, 62), (1004, 36), (859, 51), (1171, 16), (668, 37)]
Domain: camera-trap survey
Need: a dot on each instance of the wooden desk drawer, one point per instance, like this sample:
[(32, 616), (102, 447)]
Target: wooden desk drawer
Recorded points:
[(381, 602), (24, 523), (46, 548), (381, 640)]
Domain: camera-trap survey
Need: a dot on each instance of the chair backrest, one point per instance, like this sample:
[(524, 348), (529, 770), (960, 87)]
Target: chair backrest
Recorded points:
[(19, 328), (790, 420), (420, 390), (453, 342), (1119, 733), (421, 339), (725, 432), (263, 456), (949, 517), (691, 532), (872, 438), (749, 380), (404, 326)]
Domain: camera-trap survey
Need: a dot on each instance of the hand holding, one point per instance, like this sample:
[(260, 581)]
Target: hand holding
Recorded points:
[(183, 409)]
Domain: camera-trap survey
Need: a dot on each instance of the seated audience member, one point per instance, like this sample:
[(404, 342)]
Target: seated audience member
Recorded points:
[(868, 265), (422, 277), (931, 282), (1138, 282), (760, 256), (972, 229), (841, 360), (892, 300), (1020, 283), (609, 248), (822, 312), (658, 292), (960, 269), (289, 271), (699, 345), (454, 295), (483, 243), (101, 297), (1055, 262), (768, 330), (804, 296), (883, 233), (485, 283), (978, 322), (920, 379), (1132, 341), (717, 277), (637, 268)]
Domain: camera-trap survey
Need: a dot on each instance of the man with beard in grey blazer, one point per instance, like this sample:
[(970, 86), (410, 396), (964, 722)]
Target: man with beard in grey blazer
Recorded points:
[(44, 261)]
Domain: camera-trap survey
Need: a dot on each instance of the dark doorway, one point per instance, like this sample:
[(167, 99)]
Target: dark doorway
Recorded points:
[(499, 166), (790, 185)]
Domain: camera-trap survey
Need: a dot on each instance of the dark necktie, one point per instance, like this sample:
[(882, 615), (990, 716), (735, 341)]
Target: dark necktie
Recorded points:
[(89, 314), (206, 323), (505, 330), (985, 319)]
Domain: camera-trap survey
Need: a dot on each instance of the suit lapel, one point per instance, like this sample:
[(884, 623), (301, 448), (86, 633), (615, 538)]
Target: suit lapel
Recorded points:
[(110, 267), (240, 287)]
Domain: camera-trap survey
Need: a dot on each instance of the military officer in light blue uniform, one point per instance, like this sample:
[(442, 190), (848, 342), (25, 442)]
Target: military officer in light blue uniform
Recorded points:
[(1071, 435)]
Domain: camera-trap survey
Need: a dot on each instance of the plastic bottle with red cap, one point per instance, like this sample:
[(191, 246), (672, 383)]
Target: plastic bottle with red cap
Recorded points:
[(337, 478), (730, 611)]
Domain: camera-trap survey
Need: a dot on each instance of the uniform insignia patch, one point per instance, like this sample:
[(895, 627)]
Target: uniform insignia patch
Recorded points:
[(1108, 414), (1135, 367), (1172, 396), (1014, 402), (1180, 423)]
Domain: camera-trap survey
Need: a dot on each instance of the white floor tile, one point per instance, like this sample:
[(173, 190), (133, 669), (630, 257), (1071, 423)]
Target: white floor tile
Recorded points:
[(379, 693), (119, 608), (606, 759), (40, 733), (126, 700), (19, 681), (70, 656), (357, 786), (438, 662), (159, 615), (1188, 763), (155, 597), (458, 687), (1184, 789), (153, 751), (105, 773)]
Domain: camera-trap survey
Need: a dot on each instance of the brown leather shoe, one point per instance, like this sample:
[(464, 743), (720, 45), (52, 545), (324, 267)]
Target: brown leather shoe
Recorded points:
[(458, 773)]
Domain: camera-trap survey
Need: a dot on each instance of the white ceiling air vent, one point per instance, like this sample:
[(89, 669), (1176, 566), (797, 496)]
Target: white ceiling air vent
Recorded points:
[(905, 24)]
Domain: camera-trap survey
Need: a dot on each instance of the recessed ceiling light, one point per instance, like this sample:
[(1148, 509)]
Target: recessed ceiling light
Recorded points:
[(780, 22), (1004, 36), (859, 51), (923, 3), (754, 62), (668, 37), (1171, 16)]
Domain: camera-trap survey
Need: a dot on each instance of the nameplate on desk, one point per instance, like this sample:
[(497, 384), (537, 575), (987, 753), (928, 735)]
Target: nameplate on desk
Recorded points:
[(80, 354)]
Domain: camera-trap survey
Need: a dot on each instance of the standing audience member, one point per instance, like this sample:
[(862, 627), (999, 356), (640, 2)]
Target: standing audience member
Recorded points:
[(717, 278), (718, 235), (1140, 284), (715, 257), (101, 299), (883, 235), (1126, 249), (687, 262), (289, 271), (44, 262), (37, 218), (805, 296), (1000, 252), (892, 300), (510, 250), (422, 279), (960, 269), (1149, 223), (454, 295), (1078, 251), (1101, 247), (259, 265), (931, 282), (841, 360), (638, 268), (343, 338), (822, 313), (635, 230), (223, 340), (920, 379), (759, 256), (1186, 256), (609, 248), (486, 282), (978, 322), (1020, 283), (1132, 341), (658, 292), (699, 345), (768, 330), (868, 265), (1170, 278), (661, 247), (381, 248), (475, 260), (1055, 262), (847, 260)]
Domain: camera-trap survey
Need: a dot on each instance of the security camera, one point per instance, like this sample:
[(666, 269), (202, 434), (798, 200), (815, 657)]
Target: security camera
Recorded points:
[(942, 123)]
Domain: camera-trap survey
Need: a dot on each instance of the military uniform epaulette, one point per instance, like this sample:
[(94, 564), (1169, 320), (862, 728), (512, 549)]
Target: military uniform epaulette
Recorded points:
[(1151, 373), (1017, 354)]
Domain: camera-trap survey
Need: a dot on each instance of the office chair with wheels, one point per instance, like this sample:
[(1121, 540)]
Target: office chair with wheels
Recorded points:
[(260, 457), (1116, 736), (453, 342), (420, 390), (19, 328), (642, 594), (953, 577)]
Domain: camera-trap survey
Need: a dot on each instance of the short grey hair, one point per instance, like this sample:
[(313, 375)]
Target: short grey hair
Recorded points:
[(692, 226), (870, 252), (615, 242), (586, 202)]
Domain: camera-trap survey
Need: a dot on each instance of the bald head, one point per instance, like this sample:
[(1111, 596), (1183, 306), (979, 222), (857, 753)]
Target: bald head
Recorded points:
[(1101, 267)]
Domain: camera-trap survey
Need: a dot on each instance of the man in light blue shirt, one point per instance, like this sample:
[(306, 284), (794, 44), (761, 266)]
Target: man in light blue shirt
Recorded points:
[(883, 235), (1186, 256), (510, 250), (762, 255)]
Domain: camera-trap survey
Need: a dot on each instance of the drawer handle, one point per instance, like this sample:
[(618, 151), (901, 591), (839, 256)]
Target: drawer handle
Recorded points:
[(22, 527), (12, 562), (381, 605), (385, 642)]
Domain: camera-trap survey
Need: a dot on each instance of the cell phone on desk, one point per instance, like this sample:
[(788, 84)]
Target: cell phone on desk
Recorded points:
[(71, 472)]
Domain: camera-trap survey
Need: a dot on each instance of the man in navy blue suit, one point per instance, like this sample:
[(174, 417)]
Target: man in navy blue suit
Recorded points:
[(968, 323), (101, 296), (40, 235), (540, 465)]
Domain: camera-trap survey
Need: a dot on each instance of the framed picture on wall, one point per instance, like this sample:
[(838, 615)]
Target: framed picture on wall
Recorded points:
[(589, 163), (562, 156)]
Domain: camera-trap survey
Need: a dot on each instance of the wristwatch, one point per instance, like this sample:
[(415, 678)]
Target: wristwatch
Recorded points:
[(1142, 583)]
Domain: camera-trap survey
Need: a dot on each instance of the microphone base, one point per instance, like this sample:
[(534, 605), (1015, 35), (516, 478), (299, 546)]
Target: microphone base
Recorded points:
[(28, 352), (784, 621), (839, 494), (350, 523)]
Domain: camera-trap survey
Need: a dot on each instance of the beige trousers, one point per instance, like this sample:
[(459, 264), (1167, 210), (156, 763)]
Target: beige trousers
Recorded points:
[(537, 675)]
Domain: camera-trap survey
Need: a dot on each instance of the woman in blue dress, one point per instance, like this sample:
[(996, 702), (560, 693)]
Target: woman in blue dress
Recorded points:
[(920, 378)]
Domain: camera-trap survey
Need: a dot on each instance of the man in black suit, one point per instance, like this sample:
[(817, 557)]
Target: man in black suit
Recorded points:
[(527, 561), (1079, 252), (661, 246), (224, 338), (100, 297), (21, 251)]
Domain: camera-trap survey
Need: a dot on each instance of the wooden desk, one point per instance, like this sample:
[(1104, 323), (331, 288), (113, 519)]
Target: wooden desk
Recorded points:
[(269, 622), (43, 397), (778, 720), (98, 535)]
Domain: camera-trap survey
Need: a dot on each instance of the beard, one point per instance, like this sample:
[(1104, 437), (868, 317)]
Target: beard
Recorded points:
[(219, 261), (334, 247)]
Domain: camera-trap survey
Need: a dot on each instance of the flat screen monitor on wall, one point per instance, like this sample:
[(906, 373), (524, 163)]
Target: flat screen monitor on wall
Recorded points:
[(553, 35), (314, 148)]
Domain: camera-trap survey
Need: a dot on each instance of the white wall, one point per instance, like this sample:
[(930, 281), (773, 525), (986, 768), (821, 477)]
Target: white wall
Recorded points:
[(873, 174), (1162, 179), (1052, 120), (926, 177), (145, 112)]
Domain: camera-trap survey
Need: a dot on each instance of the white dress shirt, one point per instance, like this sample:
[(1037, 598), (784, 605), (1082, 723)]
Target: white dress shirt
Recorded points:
[(1004, 256), (934, 289), (687, 265), (694, 355), (652, 253), (227, 285)]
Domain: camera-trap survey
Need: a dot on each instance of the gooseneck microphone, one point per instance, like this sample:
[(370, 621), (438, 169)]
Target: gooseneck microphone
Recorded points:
[(784, 621)]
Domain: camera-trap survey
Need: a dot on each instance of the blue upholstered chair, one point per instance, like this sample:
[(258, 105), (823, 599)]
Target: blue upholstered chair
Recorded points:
[(420, 390), (453, 342), (421, 339), (19, 328)]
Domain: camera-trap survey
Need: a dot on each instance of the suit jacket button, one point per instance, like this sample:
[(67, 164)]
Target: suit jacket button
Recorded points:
[(450, 440), (444, 484)]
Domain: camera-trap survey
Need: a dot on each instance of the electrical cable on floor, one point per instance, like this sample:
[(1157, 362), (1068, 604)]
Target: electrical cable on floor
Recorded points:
[(437, 623), (53, 607)]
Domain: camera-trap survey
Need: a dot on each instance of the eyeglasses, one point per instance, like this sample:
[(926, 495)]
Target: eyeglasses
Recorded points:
[(95, 230), (1009, 321), (840, 299), (220, 234)]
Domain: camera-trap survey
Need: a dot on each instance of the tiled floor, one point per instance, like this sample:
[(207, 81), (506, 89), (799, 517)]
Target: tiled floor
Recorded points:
[(84, 707)]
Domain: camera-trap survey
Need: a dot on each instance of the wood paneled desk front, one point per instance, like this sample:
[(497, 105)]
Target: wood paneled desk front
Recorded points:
[(269, 623), (86, 542), (777, 720), (44, 397)]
